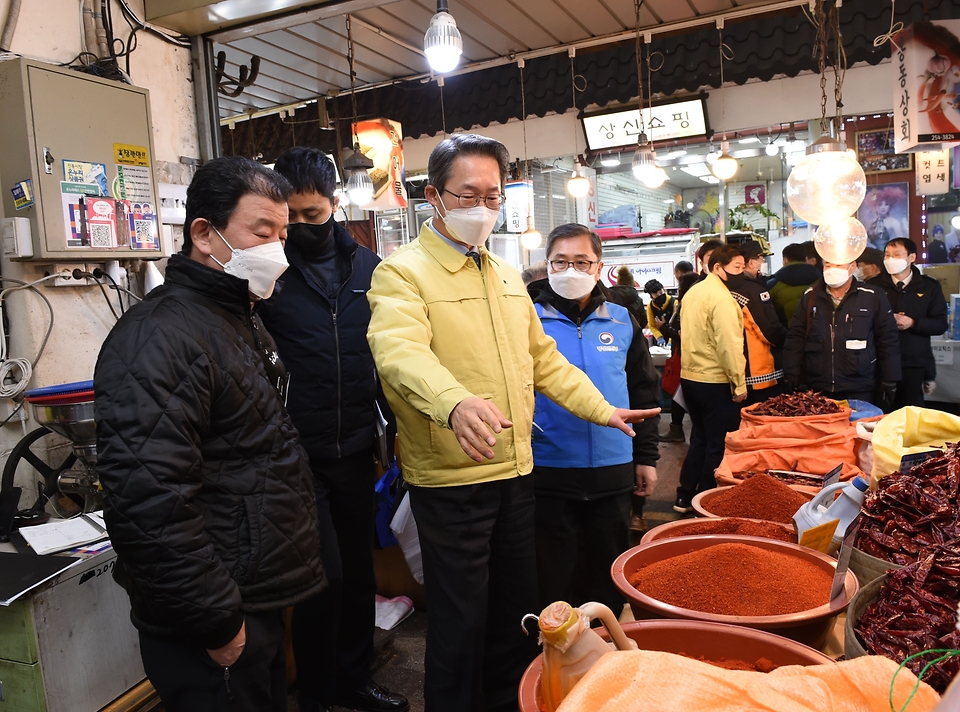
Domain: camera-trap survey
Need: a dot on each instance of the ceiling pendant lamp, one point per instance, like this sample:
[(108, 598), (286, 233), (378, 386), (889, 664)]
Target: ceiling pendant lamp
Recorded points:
[(725, 166), (359, 186), (442, 42), (530, 238), (827, 185), (578, 185)]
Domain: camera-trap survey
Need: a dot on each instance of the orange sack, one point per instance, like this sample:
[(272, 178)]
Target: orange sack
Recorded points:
[(648, 681), (814, 444)]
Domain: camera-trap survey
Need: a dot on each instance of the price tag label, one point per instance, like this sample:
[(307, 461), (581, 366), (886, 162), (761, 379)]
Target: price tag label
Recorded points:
[(833, 476), (819, 537)]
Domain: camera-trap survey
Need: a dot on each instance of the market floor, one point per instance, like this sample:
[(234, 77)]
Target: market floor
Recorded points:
[(400, 651)]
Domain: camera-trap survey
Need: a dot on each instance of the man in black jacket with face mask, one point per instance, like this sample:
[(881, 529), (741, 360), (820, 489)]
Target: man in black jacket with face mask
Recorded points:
[(319, 319)]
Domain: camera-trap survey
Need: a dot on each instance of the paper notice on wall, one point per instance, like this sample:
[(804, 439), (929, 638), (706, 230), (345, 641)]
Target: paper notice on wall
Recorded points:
[(942, 352), (102, 217), (133, 183), (144, 231), (70, 195)]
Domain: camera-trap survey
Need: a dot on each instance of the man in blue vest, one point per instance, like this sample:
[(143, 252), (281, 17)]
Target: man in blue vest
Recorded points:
[(584, 474), (319, 317)]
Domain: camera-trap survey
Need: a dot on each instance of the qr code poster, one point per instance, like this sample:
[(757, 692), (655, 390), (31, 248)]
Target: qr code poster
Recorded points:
[(71, 195), (144, 232), (100, 215)]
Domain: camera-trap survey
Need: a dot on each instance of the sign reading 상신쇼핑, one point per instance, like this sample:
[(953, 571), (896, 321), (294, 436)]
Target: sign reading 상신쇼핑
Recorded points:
[(661, 123)]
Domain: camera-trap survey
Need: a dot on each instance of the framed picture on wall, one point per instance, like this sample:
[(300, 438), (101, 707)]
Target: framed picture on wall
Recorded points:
[(885, 213), (875, 151)]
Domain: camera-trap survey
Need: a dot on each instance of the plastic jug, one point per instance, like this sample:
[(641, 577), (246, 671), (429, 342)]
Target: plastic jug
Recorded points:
[(571, 647), (843, 510)]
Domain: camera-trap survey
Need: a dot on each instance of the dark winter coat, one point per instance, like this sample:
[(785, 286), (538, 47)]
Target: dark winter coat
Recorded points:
[(629, 297), (788, 285), (848, 349), (922, 300), (322, 339), (209, 496)]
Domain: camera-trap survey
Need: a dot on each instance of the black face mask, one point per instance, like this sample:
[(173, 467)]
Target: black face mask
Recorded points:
[(661, 300), (314, 242), (735, 281)]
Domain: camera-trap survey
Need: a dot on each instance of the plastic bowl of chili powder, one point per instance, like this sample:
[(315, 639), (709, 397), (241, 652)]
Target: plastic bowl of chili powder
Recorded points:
[(728, 646), (758, 583), (722, 525)]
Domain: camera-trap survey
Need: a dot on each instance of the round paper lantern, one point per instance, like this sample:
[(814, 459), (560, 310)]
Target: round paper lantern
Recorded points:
[(841, 241), (827, 184)]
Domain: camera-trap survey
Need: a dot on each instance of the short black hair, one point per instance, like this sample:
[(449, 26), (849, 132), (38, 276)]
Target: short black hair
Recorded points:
[(871, 256), (794, 252), (708, 246), (309, 170), (652, 287), (685, 282), (810, 252), (562, 232), (456, 145), (723, 255), (905, 242), (219, 185), (683, 267)]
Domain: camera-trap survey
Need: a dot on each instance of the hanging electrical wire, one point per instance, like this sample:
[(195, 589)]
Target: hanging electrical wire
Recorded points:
[(10, 367)]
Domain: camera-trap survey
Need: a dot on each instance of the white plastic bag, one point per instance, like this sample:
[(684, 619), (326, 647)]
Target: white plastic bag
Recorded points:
[(865, 445), (404, 527)]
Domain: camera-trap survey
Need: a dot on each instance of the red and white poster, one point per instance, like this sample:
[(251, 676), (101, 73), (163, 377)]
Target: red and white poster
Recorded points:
[(381, 140)]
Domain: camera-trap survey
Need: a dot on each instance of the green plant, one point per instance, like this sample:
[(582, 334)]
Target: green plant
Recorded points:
[(740, 216)]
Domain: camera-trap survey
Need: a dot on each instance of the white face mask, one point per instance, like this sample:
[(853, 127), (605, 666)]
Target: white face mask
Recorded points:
[(895, 265), (260, 265), (835, 276), (571, 284), (471, 226), (858, 275)]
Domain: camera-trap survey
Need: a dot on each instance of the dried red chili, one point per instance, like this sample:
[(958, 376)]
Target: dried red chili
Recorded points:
[(732, 525), (759, 497), (796, 405), (736, 580), (916, 611), (912, 510)]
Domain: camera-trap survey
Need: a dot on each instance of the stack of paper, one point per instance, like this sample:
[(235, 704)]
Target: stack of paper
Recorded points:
[(62, 534)]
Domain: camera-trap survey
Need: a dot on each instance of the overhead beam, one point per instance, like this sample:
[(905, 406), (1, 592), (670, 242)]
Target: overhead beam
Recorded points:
[(297, 17)]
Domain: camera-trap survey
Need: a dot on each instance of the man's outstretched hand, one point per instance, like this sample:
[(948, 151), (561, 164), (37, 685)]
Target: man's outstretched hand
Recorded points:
[(475, 421), (622, 417)]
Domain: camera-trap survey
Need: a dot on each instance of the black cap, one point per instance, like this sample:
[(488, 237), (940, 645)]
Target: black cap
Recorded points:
[(652, 287), (751, 249), (872, 256)]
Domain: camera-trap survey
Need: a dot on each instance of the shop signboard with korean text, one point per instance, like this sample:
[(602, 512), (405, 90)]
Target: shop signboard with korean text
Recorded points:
[(676, 120), (518, 205), (381, 140), (926, 71), (644, 269), (933, 172)]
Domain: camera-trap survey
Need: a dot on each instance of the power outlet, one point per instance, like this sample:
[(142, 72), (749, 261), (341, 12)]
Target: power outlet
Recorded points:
[(66, 275)]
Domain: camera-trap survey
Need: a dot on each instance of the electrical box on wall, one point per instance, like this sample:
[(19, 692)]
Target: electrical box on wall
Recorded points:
[(76, 160)]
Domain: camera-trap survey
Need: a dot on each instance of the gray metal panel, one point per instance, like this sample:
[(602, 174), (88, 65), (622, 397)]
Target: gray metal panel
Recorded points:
[(78, 117), (89, 649)]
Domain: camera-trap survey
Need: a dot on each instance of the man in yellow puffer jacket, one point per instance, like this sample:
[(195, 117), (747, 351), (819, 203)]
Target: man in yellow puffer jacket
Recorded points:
[(460, 351)]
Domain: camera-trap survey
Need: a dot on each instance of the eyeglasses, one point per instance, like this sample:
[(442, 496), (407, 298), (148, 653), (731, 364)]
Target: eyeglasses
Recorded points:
[(579, 265), (469, 200)]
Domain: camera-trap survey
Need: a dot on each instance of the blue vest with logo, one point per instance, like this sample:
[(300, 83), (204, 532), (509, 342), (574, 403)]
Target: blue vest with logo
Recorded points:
[(598, 347)]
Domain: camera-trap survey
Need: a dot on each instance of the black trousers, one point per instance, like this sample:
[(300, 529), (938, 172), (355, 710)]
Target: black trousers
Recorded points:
[(676, 413), (333, 631), (713, 414), (577, 542), (910, 389), (188, 680), (480, 572)]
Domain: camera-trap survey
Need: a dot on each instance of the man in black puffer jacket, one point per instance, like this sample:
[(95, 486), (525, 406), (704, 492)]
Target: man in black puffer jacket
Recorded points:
[(319, 317), (209, 496)]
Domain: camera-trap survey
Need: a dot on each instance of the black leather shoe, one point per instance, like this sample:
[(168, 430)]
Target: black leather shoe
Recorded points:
[(372, 698)]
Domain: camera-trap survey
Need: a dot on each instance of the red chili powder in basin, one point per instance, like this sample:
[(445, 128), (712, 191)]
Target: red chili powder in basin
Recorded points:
[(742, 527), (736, 580), (759, 497)]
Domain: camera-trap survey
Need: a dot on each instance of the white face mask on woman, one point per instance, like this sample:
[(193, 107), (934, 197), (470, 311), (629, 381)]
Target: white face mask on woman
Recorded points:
[(471, 226), (571, 284), (260, 265)]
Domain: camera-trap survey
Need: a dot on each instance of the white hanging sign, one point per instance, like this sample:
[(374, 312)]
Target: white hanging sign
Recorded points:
[(587, 204), (933, 175), (518, 205), (664, 122)]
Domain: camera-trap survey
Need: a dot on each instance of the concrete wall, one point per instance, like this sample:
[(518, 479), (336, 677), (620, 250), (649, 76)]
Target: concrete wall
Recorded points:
[(50, 30), (866, 90)]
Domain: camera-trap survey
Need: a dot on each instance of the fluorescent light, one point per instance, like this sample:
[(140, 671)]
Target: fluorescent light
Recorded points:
[(749, 139), (610, 160), (677, 154), (695, 169), (710, 179)]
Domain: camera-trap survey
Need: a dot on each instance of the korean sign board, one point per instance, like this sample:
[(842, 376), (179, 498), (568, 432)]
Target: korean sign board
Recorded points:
[(680, 119), (518, 205), (933, 175), (643, 271), (926, 64)]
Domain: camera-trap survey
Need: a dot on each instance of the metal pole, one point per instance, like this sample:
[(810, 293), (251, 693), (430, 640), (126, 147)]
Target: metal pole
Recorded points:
[(205, 96)]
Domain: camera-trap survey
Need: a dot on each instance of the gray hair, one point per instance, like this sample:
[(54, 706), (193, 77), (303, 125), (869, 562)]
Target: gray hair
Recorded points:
[(456, 145), (562, 232)]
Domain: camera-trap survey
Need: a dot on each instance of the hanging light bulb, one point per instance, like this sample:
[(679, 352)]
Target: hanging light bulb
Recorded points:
[(610, 160), (841, 241), (359, 186), (531, 237), (644, 159), (771, 149), (725, 167), (578, 185), (442, 42), (827, 184)]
